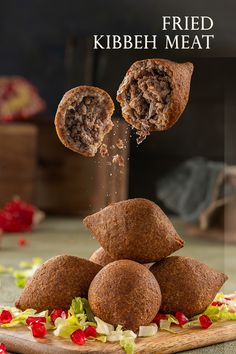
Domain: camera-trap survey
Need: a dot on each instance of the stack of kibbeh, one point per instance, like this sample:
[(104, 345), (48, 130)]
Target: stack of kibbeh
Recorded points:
[(121, 286)]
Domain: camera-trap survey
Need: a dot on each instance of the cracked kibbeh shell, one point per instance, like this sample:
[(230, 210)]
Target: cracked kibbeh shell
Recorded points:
[(83, 118), (186, 284), (125, 293), (135, 229), (154, 94), (100, 256), (57, 282)]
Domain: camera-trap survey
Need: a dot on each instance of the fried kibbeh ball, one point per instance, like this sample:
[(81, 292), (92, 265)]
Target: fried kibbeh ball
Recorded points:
[(135, 229), (186, 284), (100, 256), (83, 118), (125, 293), (154, 94), (57, 282)]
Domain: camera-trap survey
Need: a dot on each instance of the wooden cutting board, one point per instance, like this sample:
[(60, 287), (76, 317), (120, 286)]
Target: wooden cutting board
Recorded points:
[(20, 340)]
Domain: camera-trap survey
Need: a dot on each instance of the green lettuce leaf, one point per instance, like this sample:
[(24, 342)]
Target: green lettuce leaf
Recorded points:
[(19, 319), (128, 344), (148, 331)]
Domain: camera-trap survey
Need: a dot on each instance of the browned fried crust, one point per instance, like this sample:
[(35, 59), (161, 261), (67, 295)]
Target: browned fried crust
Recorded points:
[(57, 282), (126, 293), (180, 83), (186, 284), (100, 256), (134, 229), (70, 97)]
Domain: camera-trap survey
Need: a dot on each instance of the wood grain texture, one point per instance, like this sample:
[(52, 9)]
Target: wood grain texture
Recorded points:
[(21, 341), (18, 144)]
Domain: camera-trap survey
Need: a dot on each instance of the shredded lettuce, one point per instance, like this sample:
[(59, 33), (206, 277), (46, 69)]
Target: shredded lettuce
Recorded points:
[(216, 313), (103, 327), (19, 319), (148, 331), (88, 310), (77, 319), (128, 344)]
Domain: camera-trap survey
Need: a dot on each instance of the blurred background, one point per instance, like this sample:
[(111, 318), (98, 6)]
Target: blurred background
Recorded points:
[(189, 170)]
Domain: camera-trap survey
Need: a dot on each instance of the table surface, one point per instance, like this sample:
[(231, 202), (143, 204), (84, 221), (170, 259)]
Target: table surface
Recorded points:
[(68, 236)]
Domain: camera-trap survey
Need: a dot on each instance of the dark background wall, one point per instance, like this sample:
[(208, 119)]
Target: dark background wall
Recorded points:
[(49, 43)]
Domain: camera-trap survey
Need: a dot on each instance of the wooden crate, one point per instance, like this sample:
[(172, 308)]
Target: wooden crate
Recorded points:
[(18, 144), (68, 183)]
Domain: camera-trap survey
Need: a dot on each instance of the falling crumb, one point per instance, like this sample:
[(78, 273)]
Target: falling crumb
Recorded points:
[(120, 144), (103, 150), (118, 159)]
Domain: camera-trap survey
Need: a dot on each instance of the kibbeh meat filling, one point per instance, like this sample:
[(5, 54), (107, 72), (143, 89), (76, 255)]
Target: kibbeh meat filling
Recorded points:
[(83, 119), (153, 94)]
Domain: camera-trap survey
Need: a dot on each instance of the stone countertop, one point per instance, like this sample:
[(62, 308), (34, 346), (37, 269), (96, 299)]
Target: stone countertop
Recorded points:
[(68, 236)]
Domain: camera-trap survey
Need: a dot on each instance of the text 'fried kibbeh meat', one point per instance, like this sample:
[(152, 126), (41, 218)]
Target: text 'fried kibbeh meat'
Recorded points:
[(153, 94), (126, 293), (186, 284), (100, 256), (83, 119), (57, 282), (135, 229)]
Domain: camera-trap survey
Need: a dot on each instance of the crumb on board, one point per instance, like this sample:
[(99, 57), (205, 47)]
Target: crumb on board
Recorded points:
[(104, 150), (120, 144), (119, 160)]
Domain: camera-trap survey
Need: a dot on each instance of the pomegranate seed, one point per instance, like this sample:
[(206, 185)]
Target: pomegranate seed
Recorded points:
[(205, 321), (216, 303), (180, 316), (78, 337), (16, 216), (38, 330), (2, 346), (58, 313), (3, 349), (34, 319), (227, 298), (22, 242), (159, 317), (5, 316), (90, 331)]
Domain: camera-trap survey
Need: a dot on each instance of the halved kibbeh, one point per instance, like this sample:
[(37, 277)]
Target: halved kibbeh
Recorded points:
[(186, 284), (154, 94), (135, 229), (57, 282), (125, 293), (83, 118)]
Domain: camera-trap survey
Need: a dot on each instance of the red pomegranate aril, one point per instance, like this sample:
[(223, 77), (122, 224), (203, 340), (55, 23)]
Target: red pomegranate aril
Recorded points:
[(78, 337), (180, 316), (205, 321), (159, 317), (38, 330), (56, 313), (216, 303), (2, 346), (34, 319), (5, 316), (90, 331), (22, 242)]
